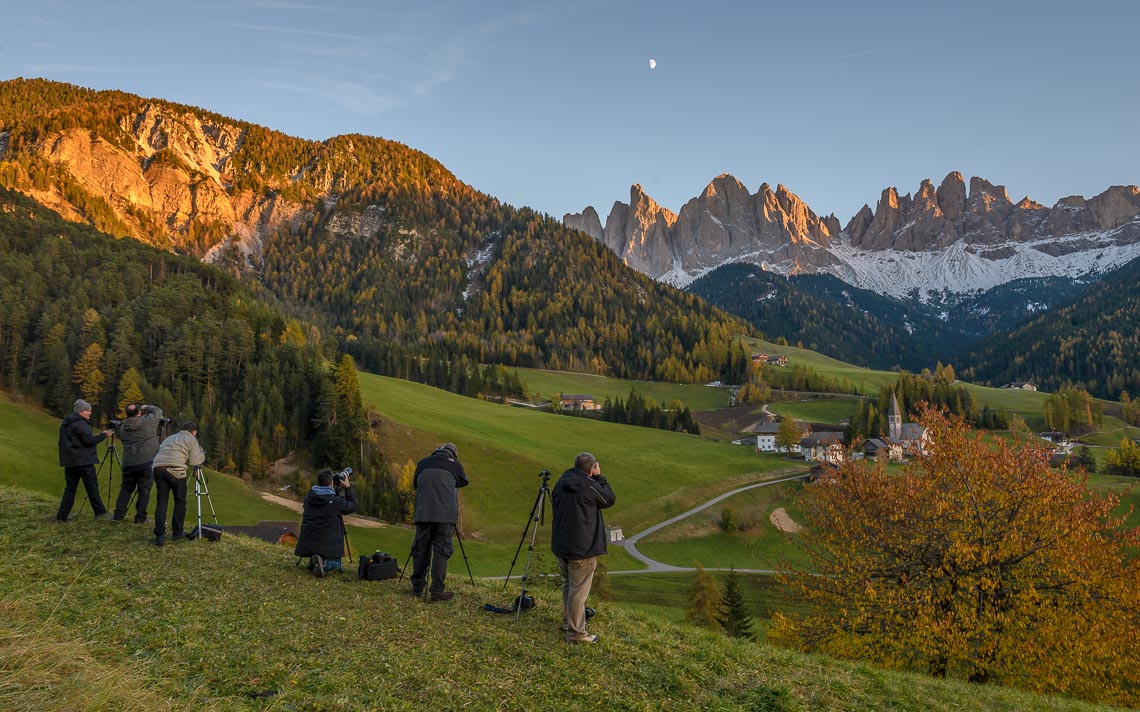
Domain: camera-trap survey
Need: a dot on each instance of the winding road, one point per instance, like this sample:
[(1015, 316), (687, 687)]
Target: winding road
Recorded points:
[(654, 566)]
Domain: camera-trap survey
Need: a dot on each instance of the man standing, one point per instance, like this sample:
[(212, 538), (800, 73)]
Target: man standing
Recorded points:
[(176, 455), (78, 457), (322, 526), (139, 433), (578, 537), (437, 481)]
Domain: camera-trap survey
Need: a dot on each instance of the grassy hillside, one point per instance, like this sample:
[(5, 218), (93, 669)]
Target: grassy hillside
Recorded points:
[(655, 474), (93, 619)]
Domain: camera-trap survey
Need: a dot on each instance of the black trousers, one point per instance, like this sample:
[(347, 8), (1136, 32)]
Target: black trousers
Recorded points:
[(431, 547), (164, 485), (72, 476), (135, 477)]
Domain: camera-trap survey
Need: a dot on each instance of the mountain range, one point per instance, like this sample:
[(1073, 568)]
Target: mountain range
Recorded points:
[(943, 240)]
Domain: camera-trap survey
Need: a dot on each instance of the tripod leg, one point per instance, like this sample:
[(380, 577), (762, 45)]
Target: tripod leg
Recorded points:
[(406, 562), (464, 552), (529, 555), (532, 519)]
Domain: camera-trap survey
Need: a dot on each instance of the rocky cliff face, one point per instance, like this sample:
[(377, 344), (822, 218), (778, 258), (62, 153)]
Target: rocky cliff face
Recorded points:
[(723, 224), (172, 178), (939, 239)]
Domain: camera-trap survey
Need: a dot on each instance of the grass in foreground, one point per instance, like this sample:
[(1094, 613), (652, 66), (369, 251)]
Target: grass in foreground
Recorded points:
[(233, 626)]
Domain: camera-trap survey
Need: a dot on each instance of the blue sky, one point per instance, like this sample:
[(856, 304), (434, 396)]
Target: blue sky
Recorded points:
[(553, 104)]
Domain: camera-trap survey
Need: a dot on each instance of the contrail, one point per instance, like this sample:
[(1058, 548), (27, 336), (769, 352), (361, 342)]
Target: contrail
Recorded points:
[(860, 54)]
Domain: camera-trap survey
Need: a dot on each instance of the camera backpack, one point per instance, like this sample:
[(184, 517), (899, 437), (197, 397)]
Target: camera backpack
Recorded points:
[(377, 567), (209, 532)]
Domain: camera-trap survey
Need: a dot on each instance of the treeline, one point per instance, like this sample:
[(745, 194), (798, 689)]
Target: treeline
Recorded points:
[(1072, 410), (1090, 344), (115, 321), (638, 410), (937, 388)]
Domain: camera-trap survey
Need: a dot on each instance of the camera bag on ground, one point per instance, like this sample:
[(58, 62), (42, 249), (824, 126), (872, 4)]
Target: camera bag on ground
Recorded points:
[(377, 567), (210, 532)]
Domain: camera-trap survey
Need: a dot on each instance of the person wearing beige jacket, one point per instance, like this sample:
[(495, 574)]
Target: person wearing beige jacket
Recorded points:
[(176, 456)]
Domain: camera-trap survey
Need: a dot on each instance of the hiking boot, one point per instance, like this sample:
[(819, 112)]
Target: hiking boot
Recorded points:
[(160, 540), (317, 564), (104, 515), (178, 537), (588, 639), (442, 596)]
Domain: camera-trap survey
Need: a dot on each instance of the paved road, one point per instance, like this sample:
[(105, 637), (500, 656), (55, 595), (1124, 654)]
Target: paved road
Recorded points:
[(654, 566)]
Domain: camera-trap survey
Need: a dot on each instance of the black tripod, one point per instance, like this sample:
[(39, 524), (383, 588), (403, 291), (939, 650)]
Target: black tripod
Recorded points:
[(110, 455), (110, 459), (202, 487), (537, 517)]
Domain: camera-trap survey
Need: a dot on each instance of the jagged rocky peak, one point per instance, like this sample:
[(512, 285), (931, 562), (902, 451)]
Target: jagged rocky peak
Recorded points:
[(587, 221), (952, 195)]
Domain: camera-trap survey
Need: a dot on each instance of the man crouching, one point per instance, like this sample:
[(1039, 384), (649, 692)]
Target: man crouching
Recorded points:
[(322, 527)]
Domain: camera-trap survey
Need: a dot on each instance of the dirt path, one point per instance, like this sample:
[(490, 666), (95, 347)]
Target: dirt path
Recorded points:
[(783, 522), (298, 507)]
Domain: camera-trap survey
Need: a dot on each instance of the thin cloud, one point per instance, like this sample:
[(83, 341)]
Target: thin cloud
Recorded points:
[(860, 54), (352, 96)]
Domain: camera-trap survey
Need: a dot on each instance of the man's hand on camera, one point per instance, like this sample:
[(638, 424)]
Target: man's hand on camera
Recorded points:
[(346, 483), (108, 433)]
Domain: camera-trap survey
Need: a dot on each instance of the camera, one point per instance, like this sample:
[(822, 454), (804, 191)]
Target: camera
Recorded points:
[(165, 421), (114, 424), (339, 477)]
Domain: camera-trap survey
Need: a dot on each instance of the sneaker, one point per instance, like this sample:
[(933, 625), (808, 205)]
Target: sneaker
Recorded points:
[(160, 540), (317, 564), (442, 596), (588, 639)]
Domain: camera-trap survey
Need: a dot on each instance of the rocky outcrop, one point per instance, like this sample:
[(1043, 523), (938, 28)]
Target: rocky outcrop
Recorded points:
[(724, 223), (587, 221), (946, 238)]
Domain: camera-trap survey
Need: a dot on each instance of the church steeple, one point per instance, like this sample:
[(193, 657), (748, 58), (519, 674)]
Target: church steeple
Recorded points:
[(894, 420)]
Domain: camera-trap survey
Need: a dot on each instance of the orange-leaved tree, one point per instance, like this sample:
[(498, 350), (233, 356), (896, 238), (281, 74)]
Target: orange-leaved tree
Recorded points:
[(977, 561)]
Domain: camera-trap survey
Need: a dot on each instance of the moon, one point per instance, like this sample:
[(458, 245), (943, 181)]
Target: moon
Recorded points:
[(652, 63)]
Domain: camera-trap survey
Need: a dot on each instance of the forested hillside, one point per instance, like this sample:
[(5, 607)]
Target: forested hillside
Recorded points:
[(1090, 343), (115, 321), (421, 274)]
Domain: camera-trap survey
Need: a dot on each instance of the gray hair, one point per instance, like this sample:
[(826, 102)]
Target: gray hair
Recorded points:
[(585, 461)]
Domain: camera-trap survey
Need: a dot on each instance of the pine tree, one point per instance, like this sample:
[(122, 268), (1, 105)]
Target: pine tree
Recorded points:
[(130, 391), (735, 618), (88, 374), (704, 600)]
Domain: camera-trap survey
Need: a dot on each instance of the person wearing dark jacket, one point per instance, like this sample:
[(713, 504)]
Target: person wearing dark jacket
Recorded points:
[(322, 525), (437, 481), (139, 434), (78, 457), (578, 537)]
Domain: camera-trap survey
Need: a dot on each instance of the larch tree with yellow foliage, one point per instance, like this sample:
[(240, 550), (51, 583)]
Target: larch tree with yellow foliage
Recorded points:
[(977, 562)]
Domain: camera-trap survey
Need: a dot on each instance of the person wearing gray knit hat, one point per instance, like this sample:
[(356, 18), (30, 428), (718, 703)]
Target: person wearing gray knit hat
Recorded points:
[(78, 457)]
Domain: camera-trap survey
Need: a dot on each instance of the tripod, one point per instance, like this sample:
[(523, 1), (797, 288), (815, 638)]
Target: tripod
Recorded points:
[(202, 487), (537, 517), (110, 459)]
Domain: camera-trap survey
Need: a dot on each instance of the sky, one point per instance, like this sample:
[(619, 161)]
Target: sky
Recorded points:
[(553, 105)]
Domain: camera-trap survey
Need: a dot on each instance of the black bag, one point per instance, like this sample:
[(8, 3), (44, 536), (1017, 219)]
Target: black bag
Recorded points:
[(209, 532), (377, 567)]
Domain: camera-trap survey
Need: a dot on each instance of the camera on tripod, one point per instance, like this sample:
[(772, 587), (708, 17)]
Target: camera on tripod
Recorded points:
[(114, 424), (165, 421)]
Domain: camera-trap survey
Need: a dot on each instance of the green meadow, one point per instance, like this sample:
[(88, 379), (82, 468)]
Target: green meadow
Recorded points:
[(542, 384)]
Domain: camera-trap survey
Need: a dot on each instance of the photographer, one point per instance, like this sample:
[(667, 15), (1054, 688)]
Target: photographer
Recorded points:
[(322, 524), (172, 463), (437, 481), (78, 457), (578, 537), (139, 433)]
